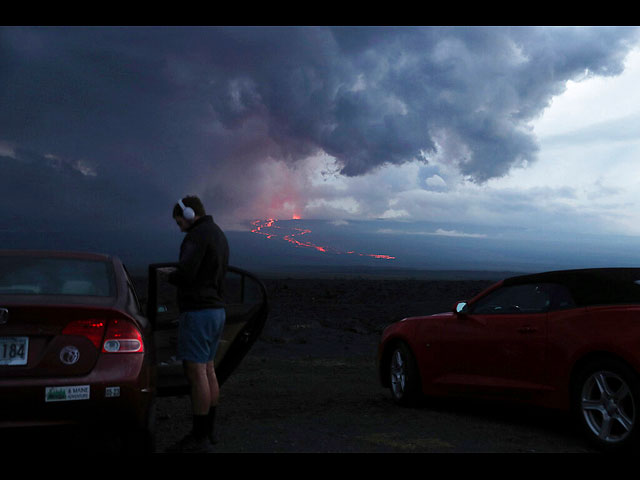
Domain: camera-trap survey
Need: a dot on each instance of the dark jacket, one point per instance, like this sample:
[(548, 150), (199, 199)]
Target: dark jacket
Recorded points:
[(204, 257)]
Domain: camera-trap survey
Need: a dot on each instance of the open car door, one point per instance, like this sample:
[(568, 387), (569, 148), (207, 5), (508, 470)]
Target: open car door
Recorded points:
[(246, 313)]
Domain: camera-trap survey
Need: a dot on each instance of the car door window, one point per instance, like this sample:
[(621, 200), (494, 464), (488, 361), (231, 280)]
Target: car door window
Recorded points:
[(514, 299), (560, 298)]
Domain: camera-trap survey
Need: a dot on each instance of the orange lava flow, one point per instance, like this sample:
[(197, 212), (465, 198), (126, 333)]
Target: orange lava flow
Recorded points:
[(260, 224), (269, 224)]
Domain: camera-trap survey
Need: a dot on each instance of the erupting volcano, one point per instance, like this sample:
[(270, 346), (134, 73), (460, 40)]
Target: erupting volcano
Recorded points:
[(269, 229)]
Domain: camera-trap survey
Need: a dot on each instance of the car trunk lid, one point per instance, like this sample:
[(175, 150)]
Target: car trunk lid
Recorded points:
[(50, 340)]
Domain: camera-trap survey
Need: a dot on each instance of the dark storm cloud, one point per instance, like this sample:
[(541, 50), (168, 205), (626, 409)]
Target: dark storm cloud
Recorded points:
[(158, 112)]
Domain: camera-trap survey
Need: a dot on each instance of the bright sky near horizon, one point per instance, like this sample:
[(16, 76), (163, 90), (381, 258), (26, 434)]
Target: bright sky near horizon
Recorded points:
[(590, 149)]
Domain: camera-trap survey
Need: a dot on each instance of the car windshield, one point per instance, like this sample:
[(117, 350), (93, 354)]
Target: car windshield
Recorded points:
[(22, 275)]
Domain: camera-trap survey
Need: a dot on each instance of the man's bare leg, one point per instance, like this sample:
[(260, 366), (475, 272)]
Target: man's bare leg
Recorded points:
[(205, 395), (214, 388), (200, 390), (214, 398)]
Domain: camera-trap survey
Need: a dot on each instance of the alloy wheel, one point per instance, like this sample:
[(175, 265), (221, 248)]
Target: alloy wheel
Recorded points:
[(608, 406), (398, 373)]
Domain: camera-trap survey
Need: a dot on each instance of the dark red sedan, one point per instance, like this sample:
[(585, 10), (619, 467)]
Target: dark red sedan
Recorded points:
[(565, 339), (78, 347)]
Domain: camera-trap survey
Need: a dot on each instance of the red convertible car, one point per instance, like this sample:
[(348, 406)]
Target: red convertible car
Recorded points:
[(565, 339), (79, 349)]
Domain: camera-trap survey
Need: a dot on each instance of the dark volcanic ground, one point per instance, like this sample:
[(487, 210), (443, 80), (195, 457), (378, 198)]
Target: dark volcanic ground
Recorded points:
[(309, 384)]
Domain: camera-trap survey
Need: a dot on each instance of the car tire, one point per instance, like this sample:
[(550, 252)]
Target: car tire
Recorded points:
[(606, 403), (404, 378), (142, 439)]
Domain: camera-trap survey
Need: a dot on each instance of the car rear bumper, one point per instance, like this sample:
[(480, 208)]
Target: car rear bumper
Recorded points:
[(116, 391)]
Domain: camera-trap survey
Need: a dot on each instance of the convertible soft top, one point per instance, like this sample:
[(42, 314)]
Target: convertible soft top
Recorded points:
[(593, 286)]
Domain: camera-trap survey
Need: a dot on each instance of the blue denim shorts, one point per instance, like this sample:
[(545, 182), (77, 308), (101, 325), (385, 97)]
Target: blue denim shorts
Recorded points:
[(199, 333)]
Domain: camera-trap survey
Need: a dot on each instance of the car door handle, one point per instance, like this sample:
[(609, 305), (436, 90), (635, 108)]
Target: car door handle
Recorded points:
[(527, 330)]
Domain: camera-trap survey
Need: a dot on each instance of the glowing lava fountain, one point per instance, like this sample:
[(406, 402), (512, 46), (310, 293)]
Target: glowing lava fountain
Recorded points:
[(266, 227)]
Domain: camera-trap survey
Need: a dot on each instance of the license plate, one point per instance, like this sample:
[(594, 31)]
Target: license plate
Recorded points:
[(14, 350)]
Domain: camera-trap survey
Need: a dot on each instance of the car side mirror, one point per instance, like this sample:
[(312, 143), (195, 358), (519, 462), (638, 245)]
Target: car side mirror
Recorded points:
[(461, 307)]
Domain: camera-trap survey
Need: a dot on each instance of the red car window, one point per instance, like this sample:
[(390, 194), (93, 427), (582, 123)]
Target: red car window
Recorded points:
[(56, 276)]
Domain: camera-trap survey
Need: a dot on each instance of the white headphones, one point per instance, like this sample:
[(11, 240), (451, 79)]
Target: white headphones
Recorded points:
[(187, 212)]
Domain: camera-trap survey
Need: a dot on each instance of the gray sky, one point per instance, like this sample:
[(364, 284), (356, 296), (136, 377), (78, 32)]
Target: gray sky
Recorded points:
[(105, 128)]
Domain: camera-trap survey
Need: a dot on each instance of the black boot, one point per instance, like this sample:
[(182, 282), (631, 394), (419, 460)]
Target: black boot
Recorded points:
[(197, 441)]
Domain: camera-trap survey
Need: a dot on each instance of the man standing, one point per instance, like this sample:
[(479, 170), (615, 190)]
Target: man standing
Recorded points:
[(199, 278)]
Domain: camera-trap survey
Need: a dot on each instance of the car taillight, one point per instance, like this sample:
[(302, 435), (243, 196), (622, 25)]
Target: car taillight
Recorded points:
[(91, 329), (122, 337)]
